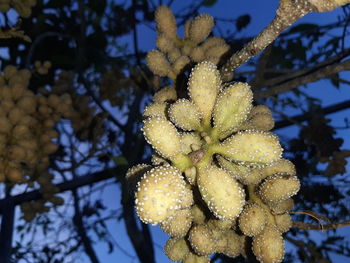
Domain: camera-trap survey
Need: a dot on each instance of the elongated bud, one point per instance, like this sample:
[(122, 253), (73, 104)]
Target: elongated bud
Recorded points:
[(282, 166), (166, 23), (252, 148), (201, 27), (203, 86), (283, 222), (245, 175), (176, 249), (262, 122), (268, 247), (185, 115), (226, 203), (234, 244), (217, 51), (180, 64), (232, 106), (279, 187), (252, 220), (166, 94), (178, 224), (157, 63), (198, 54), (155, 110), (164, 43), (200, 240), (282, 206), (163, 136)]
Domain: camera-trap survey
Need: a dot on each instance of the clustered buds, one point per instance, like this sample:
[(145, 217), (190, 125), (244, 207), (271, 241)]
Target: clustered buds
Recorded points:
[(23, 7), (217, 183), (42, 67), (115, 86), (175, 54), (86, 123), (27, 131)]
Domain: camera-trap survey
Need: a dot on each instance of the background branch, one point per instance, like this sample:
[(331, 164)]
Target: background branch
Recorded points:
[(287, 13), (302, 80), (309, 226)]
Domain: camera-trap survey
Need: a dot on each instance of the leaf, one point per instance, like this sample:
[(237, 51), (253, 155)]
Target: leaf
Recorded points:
[(120, 160), (242, 22), (334, 78), (110, 247), (303, 28), (209, 2), (334, 42), (98, 6), (57, 3)]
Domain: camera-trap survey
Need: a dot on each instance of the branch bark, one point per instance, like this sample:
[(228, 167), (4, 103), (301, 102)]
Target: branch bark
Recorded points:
[(292, 74), (302, 80), (65, 186), (80, 228), (6, 231), (309, 226), (288, 12), (303, 117), (132, 149)]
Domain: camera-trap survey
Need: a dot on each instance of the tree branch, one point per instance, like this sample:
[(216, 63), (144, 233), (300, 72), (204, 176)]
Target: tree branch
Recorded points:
[(302, 80), (7, 225), (101, 106), (80, 228), (287, 13), (292, 74), (132, 150), (68, 185), (303, 117), (309, 226)]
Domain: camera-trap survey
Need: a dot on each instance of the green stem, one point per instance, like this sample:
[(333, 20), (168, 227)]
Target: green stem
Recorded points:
[(182, 162), (206, 160)]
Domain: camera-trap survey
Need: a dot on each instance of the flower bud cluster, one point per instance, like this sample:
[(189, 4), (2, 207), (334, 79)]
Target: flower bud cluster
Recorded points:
[(218, 183), (86, 123), (42, 67), (22, 7), (115, 87), (27, 131), (175, 54)]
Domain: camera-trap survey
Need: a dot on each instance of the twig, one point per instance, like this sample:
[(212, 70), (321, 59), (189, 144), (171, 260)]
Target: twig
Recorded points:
[(309, 226), (37, 41), (287, 13), (14, 32), (101, 106), (344, 81), (302, 80), (292, 74)]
